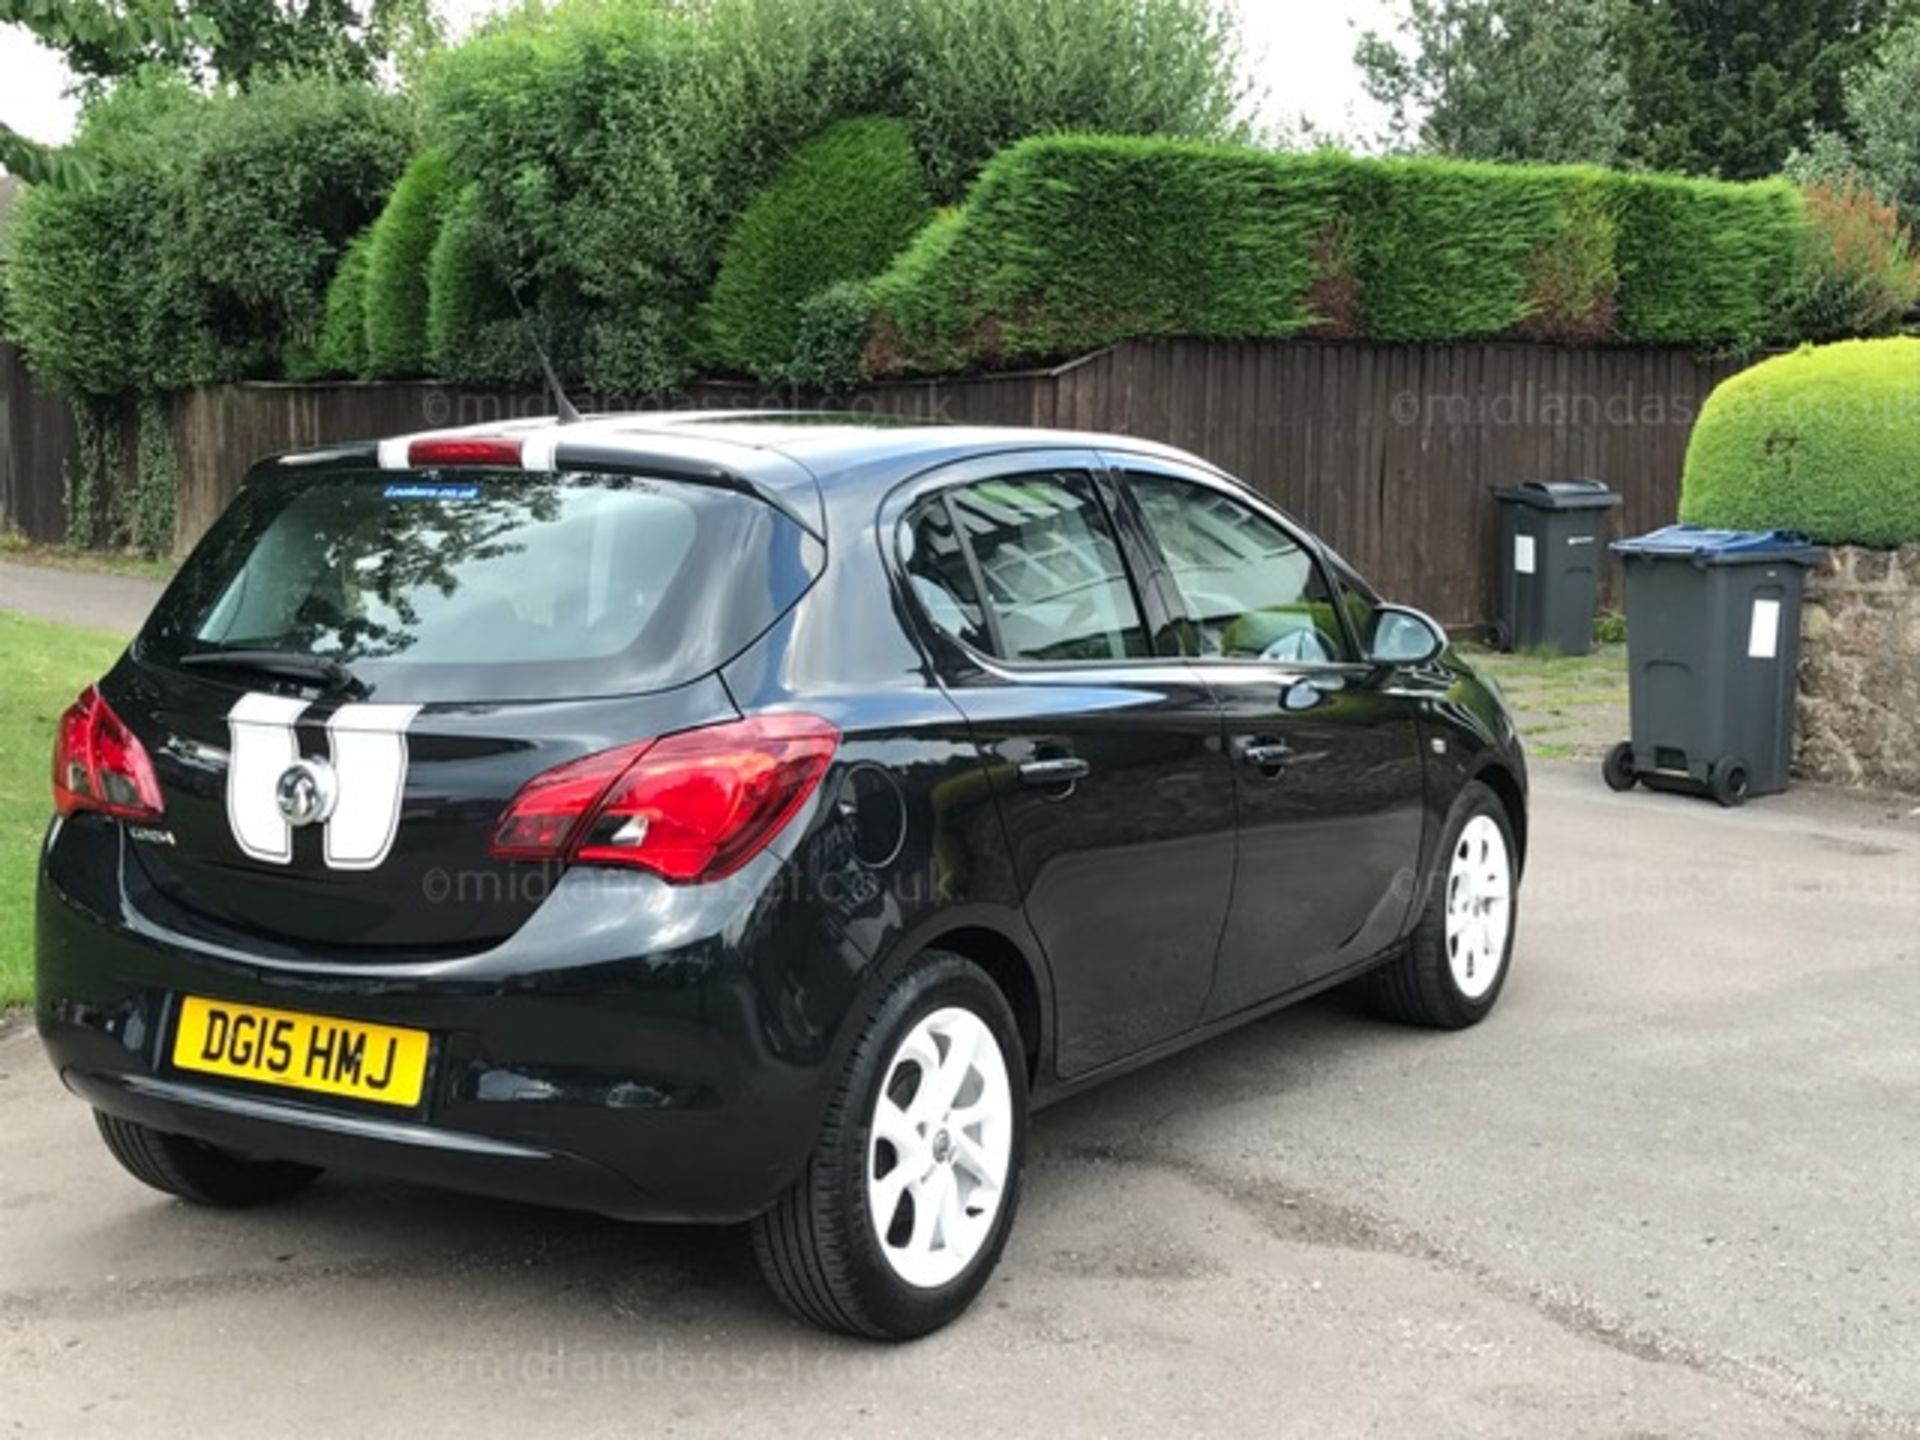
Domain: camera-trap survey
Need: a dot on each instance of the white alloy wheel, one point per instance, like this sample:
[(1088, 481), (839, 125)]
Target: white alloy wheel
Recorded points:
[(942, 1141), (1479, 906)]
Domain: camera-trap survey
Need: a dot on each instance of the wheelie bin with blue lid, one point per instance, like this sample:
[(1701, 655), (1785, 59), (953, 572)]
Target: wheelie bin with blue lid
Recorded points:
[(1713, 653)]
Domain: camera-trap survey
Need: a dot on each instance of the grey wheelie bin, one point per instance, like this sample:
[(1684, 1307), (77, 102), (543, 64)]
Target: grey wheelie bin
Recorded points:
[(1551, 532), (1713, 647)]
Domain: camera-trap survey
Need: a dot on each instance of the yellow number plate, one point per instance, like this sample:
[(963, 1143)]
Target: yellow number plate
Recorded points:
[(302, 1052)]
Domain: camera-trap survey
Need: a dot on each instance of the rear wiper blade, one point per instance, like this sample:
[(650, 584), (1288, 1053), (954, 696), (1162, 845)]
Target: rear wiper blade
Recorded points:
[(316, 669)]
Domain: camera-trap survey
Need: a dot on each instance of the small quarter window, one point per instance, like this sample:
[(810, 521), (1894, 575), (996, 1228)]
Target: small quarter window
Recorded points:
[(939, 574)]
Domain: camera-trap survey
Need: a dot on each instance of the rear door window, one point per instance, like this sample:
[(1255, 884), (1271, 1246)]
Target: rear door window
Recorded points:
[(1051, 585), (500, 586)]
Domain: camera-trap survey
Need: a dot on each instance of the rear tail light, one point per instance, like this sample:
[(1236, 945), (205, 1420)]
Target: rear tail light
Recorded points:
[(693, 806), (464, 450), (99, 764)]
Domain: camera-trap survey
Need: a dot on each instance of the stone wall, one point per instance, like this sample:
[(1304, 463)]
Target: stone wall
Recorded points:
[(1859, 721)]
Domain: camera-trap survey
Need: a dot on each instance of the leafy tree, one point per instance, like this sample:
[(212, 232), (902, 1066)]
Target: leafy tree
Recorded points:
[(981, 75), (257, 38), (237, 41), (87, 291), (1536, 80), (1882, 150), (121, 34), (1704, 87), (203, 246), (279, 179), (1730, 87), (1883, 105)]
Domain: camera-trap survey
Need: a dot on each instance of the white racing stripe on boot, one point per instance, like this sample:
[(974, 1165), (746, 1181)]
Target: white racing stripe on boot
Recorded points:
[(369, 748), (261, 746)]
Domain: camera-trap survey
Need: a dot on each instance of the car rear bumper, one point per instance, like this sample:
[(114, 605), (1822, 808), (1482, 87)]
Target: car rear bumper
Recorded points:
[(421, 1154), (564, 1068)]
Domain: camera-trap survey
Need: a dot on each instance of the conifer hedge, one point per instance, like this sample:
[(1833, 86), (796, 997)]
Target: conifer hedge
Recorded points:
[(1067, 243)]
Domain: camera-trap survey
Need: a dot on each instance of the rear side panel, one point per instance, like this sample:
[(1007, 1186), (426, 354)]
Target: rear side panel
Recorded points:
[(926, 858)]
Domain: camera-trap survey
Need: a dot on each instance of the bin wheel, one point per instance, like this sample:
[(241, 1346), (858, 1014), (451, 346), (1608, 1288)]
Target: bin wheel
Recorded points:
[(1498, 637), (1618, 767), (1729, 781)]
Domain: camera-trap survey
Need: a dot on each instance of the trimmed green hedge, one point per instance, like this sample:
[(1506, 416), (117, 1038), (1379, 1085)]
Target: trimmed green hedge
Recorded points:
[(618, 141), (398, 251), (1705, 260), (1825, 440), (475, 335), (1446, 249), (279, 179), (1067, 243), (81, 259), (830, 333), (343, 337), (846, 204), (204, 245)]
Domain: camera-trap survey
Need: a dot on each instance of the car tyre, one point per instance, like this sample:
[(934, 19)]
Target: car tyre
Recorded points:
[(1454, 965), (197, 1172), (927, 1132)]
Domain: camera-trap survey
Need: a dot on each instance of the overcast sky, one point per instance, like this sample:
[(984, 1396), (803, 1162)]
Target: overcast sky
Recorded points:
[(1299, 51)]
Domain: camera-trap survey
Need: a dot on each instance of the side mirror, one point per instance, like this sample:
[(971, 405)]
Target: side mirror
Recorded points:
[(1400, 638)]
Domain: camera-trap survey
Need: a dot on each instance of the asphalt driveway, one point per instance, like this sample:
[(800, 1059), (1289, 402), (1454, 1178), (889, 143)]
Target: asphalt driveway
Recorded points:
[(85, 598), (1671, 1188)]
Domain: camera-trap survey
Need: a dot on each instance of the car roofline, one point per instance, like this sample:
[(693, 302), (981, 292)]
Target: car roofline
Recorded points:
[(703, 448), (609, 444)]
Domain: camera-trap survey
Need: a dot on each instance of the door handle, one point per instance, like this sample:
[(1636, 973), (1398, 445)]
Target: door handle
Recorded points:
[(1054, 771), (1264, 753)]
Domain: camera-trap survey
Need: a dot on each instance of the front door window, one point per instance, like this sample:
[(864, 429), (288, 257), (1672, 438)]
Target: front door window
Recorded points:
[(1251, 590)]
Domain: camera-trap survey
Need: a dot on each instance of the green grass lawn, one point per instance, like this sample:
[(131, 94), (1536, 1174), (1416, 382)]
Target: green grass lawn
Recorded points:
[(43, 666), (1569, 707)]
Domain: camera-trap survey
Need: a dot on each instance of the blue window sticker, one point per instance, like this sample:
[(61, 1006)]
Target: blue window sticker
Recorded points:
[(422, 490)]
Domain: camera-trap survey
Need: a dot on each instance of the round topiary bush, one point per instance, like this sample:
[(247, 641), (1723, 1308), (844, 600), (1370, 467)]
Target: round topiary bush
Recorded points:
[(398, 252), (846, 204), (1825, 440)]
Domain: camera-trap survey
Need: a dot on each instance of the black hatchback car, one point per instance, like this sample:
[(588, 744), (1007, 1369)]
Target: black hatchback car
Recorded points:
[(721, 818)]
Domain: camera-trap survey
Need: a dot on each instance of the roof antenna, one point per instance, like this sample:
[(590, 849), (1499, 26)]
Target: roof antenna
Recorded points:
[(563, 407)]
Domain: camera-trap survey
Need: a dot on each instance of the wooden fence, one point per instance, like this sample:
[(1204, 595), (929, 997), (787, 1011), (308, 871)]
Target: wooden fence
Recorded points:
[(38, 439), (1390, 452)]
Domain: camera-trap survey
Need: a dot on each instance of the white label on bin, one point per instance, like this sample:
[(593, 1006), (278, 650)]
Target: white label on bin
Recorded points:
[(1523, 555), (1763, 635)]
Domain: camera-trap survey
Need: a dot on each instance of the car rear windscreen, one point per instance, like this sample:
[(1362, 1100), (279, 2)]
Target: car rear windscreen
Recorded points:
[(496, 586)]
